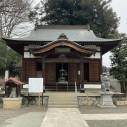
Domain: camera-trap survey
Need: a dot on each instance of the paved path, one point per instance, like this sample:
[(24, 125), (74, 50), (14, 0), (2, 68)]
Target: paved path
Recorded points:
[(32, 119), (63, 117), (31, 116), (71, 117), (119, 116), (60, 117)]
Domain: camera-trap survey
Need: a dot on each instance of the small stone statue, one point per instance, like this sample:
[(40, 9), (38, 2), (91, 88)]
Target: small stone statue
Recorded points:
[(105, 83)]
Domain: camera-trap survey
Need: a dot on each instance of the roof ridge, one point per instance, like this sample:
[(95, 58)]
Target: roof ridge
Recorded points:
[(62, 27)]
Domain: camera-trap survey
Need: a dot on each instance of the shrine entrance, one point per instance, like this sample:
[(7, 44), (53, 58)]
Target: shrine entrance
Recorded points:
[(61, 72), (62, 76), (64, 64)]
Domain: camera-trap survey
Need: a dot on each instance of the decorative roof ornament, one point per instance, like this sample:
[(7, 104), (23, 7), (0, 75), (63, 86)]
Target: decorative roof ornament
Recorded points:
[(62, 37)]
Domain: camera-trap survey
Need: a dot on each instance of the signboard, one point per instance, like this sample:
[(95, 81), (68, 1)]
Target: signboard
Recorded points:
[(26, 86), (35, 85), (6, 75), (62, 50)]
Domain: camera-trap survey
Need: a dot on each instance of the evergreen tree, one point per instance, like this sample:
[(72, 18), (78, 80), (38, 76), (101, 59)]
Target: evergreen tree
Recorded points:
[(119, 64), (97, 13), (7, 57)]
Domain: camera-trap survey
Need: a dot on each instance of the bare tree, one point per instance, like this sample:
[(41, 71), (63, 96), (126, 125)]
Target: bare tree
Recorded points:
[(12, 13), (38, 13)]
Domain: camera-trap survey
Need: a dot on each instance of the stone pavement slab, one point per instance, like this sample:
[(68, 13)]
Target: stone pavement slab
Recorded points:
[(63, 117), (98, 110), (119, 116), (107, 123), (32, 119), (30, 116)]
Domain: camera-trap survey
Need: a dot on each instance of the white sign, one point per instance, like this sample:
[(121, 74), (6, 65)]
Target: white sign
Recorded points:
[(6, 75), (35, 85), (26, 86)]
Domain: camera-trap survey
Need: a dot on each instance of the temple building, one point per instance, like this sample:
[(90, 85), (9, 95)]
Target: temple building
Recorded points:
[(63, 55)]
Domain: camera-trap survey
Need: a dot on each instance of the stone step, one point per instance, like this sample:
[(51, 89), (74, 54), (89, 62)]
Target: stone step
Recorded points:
[(55, 100), (63, 96), (62, 106), (64, 103), (62, 99), (59, 99)]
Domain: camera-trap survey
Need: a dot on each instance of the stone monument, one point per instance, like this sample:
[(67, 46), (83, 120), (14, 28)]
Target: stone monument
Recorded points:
[(106, 94)]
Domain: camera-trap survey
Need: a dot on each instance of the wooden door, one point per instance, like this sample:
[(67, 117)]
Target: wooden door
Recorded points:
[(28, 69), (94, 71), (73, 73), (50, 73)]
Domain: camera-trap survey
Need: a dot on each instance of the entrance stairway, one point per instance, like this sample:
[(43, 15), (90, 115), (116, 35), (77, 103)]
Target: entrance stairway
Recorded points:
[(62, 99), (63, 87)]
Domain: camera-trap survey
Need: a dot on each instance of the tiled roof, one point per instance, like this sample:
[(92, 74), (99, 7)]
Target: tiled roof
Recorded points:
[(73, 33)]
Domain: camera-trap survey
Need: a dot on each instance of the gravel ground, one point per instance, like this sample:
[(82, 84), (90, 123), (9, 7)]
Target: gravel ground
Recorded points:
[(107, 123), (97, 110), (16, 118)]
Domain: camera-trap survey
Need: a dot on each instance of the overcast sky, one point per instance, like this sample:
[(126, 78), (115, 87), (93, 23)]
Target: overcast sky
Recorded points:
[(120, 7)]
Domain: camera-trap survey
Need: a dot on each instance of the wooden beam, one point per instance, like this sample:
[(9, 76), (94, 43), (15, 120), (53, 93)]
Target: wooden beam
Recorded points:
[(63, 43), (60, 60)]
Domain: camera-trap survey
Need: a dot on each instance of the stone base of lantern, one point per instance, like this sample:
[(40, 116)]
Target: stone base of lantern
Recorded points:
[(12, 103), (106, 100)]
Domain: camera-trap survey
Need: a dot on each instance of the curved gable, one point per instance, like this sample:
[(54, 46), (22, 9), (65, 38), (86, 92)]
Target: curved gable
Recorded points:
[(63, 43)]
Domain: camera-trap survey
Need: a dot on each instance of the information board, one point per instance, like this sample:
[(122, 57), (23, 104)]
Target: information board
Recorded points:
[(35, 85)]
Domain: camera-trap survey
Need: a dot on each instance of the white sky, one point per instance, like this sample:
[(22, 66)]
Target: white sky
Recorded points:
[(120, 7)]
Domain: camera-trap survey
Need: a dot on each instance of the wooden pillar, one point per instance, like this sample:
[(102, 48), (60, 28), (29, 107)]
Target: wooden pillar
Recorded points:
[(81, 73), (43, 75), (101, 68), (43, 70)]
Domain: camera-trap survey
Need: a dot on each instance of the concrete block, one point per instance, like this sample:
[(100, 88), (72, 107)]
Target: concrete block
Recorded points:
[(12, 103), (125, 102), (120, 103)]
